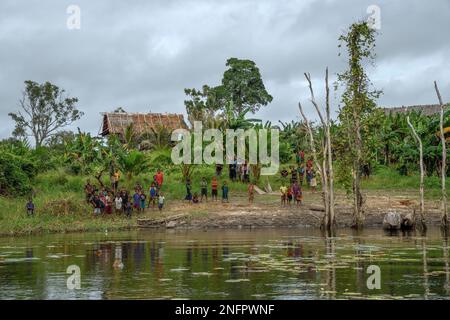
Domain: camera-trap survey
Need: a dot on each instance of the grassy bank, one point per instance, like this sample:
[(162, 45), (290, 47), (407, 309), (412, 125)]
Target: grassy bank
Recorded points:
[(61, 207)]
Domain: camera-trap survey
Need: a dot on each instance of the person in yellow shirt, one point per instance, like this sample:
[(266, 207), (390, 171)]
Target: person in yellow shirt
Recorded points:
[(283, 190), (115, 180)]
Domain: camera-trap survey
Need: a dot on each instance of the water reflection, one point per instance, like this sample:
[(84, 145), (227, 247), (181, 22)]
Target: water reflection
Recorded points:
[(233, 264)]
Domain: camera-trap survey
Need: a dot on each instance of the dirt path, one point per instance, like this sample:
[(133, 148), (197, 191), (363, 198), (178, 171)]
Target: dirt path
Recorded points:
[(266, 211)]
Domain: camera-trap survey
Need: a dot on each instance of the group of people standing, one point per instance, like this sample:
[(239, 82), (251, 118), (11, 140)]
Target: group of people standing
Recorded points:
[(105, 200), (303, 170), (239, 170), (297, 175), (195, 198)]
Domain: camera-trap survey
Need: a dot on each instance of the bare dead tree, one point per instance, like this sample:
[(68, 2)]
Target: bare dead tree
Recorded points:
[(422, 224), (444, 216), (326, 168), (324, 176), (330, 154)]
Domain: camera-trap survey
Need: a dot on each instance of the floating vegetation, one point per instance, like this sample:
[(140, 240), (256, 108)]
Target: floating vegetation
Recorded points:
[(179, 269), (202, 274), (237, 280), (16, 260)]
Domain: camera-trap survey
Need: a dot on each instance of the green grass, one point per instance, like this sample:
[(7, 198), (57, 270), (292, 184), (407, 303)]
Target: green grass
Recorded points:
[(55, 188), (389, 179)]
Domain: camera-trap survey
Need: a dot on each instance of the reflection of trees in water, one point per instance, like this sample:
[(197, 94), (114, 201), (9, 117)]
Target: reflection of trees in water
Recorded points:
[(204, 254), (29, 263), (225, 249), (139, 255), (215, 257), (118, 263), (426, 285), (160, 261), (153, 256), (99, 257), (189, 257), (330, 244), (360, 264), (446, 264)]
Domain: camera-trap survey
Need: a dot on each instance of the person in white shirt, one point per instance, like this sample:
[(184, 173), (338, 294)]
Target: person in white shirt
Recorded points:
[(118, 202), (161, 199)]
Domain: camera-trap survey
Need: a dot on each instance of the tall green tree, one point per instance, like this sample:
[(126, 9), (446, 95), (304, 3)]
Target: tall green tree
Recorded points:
[(44, 109), (243, 83), (242, 87)]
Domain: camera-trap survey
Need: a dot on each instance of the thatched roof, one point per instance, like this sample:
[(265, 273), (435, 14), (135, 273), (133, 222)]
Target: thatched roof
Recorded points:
[(117, 122), (427, 110)]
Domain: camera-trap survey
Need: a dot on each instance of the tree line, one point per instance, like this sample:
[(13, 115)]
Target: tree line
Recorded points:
[(345, 149)]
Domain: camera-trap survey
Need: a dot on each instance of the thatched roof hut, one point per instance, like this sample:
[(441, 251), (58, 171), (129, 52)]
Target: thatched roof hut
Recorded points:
[(426, 110), (118, 122)]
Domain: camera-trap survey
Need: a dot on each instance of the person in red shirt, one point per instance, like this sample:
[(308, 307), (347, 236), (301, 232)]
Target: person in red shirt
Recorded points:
[(159, 177), (309, 164), (214, 189)]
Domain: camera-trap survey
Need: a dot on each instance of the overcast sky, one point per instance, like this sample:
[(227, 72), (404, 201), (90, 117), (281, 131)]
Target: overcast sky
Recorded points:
[(141, 55)]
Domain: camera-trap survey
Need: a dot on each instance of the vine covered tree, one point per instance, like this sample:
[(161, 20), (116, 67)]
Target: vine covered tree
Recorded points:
[(357, 106), (44, 109)]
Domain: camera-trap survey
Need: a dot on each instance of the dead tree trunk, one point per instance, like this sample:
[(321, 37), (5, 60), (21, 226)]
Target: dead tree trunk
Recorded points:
[(444, 216), (327, 165), (325, 223), (422, 226), (329, 153)]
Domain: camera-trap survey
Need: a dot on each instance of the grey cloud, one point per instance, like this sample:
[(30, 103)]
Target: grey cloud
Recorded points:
[(141, 56)]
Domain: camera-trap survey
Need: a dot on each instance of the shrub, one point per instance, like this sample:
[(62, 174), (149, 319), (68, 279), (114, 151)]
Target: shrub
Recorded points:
[(15, 174)]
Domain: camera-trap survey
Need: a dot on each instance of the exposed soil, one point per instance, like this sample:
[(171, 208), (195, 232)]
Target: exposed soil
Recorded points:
[(266, 211)]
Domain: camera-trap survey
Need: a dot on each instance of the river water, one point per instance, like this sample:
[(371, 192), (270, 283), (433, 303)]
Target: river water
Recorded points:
[(225, 264)]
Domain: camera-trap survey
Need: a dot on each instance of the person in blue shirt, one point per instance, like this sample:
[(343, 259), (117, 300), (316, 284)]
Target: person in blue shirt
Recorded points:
[(153, 196), (30, 207), (225, 192), (136, 200)]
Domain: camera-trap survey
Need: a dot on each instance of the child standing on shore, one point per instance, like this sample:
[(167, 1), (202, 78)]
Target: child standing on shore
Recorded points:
[(188, 190), (153, 196), (97, 204), (30, 207), (128, 209), (108, 204), (289, 195), (297, 192), (204, 189), (225, 192), (214, 189), (142, 198), (118, 202), (251, 192), (136, 200), (283, 190), (125, 200), (161, 199), (195, 198)]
